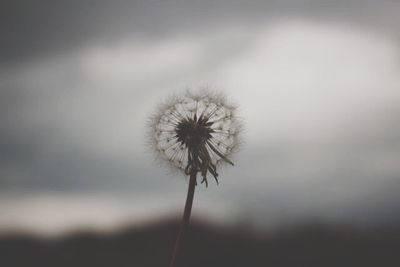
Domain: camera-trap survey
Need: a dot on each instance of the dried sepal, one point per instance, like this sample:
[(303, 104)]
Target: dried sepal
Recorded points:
[(195, 132)]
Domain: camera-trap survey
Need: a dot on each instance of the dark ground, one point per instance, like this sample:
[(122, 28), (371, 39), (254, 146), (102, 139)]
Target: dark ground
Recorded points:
[(206, 245)]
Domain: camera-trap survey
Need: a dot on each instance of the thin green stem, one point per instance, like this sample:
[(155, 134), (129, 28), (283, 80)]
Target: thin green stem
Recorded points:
[(186, 217)]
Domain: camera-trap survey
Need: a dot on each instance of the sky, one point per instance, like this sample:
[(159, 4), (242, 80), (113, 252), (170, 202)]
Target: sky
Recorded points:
[(317, 84)]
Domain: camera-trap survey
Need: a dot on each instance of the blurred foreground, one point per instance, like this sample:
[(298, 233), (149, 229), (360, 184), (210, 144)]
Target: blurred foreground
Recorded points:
[(209, 245)]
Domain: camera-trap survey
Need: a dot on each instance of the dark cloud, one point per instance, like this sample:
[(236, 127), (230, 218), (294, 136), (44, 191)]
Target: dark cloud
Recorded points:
[(69, 124), (44, 28)]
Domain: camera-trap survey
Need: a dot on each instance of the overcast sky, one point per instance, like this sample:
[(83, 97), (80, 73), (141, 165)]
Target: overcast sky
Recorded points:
[(317, 83)]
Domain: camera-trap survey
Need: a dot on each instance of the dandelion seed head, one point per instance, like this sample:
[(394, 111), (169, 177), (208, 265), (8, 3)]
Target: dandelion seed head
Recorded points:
[(196, 132)]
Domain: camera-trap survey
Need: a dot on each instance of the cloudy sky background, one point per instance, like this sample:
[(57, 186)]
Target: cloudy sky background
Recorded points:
[(317, 82)]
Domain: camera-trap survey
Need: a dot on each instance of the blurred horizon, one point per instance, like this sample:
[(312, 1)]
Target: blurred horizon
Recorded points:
[(311, 244), (317, 84)]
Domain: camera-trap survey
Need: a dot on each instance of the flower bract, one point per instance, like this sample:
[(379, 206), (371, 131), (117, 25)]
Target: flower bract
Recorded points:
[(196, 132)]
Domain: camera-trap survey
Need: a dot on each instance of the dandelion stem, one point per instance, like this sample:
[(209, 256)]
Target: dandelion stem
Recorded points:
[(186, 217)]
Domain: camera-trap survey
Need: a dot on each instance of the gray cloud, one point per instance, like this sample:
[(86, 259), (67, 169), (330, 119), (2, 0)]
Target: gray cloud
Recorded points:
[(49, 28), (317, 84)]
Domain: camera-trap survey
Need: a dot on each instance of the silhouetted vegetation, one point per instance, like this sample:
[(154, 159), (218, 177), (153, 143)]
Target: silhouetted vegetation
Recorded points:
[(208, 245)]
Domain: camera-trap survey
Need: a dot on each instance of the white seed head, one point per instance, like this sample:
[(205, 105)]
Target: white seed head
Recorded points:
[(195, 132)]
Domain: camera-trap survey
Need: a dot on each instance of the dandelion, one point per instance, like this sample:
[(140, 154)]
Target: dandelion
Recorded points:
[(195, 133)]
